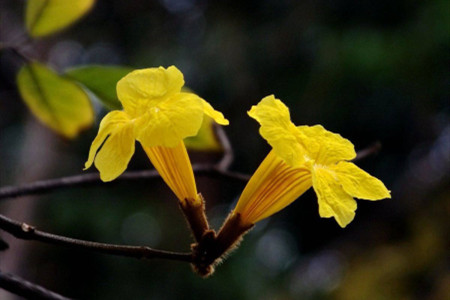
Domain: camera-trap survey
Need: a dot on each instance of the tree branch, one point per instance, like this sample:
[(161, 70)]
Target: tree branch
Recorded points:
[(26, 232), (218, 171), (15, 50), (228, 154), (43, 186), (371, 150), (26, 289)]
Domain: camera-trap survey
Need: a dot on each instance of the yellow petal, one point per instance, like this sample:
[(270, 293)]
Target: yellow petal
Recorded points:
[(333, 200), (111, 122), (324, 146), (116, 152), (175, 168), (143, 88), (206, 138), (214, 114), (278, 130), (171, 121), (359, 183), (272, 187)]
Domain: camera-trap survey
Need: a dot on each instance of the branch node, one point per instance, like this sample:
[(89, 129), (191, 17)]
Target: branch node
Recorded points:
[(213, 248), (27, 228)]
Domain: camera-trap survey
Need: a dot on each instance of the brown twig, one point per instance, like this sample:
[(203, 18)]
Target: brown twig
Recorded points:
[(195, 215), (26, 232), (228, 154), (213, 247), (48, 185), (218, 171), (26, 289), (15, 50), (371, 150)]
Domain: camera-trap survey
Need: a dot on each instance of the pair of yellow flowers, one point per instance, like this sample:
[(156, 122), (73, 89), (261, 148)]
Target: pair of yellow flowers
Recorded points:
[(159, 115)]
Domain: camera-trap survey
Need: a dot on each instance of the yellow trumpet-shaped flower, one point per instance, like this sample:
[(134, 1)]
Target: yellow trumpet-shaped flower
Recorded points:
[(158, 115), (304, 156)]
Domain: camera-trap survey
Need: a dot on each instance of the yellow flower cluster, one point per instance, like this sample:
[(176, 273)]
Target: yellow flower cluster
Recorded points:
[(158, 115)]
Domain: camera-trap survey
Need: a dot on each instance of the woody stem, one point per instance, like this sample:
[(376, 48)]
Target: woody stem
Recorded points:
[(212, 247), (194, 212)]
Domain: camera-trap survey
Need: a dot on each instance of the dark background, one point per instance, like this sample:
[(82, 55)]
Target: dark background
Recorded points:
[(369, 70)]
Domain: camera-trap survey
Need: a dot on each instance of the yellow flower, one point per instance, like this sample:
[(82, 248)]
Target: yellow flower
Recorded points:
[(158, 115), (302, 157)]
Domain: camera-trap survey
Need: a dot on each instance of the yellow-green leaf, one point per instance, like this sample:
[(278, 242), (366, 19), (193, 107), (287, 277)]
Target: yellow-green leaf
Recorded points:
[(101, 81), (44, 17), (57, 102), (206, 139)]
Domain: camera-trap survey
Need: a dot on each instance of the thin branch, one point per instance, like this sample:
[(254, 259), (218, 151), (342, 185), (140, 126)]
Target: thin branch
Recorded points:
[(216, 171), (48, 185), (26, 289), (228, 155), (371, 150), (26, 232), (15, 50)]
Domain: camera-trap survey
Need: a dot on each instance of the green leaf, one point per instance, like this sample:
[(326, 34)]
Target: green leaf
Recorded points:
[(59, 103), (101, 81), (44, 17), (206, 139)]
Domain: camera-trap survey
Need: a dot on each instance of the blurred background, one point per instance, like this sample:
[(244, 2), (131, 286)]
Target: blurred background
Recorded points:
[(369, 70)]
